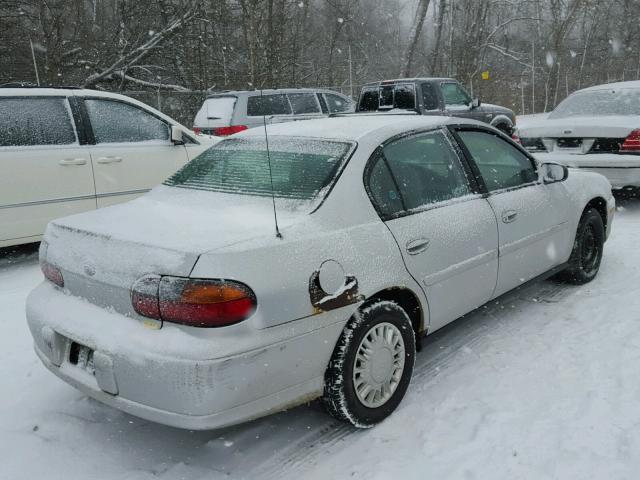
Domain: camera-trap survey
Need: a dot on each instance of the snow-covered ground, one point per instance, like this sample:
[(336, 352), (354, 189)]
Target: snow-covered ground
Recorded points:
[(542, 384)]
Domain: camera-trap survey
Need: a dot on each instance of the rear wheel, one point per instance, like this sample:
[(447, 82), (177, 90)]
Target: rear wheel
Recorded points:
[(586, 255), (371, 365)]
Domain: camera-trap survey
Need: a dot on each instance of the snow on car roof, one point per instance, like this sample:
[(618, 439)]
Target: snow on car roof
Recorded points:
[(355, 126), (608, 86)]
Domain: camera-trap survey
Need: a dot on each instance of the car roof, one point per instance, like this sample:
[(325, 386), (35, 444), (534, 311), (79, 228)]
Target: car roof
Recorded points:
[(353, 127), (608, 86), (269, 91), (408, 80)]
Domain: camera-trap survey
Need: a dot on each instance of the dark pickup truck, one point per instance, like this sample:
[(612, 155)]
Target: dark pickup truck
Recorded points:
[(433, 96)]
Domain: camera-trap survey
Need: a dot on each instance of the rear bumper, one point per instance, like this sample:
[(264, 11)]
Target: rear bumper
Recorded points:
[(621, 170), (167, 377)]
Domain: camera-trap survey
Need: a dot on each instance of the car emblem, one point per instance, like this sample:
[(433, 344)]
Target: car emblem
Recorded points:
[(90, 270), (568, 131)]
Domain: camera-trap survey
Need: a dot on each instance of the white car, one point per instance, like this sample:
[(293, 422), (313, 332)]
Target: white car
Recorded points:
[(65, 151), (191, 307), (596, 129)]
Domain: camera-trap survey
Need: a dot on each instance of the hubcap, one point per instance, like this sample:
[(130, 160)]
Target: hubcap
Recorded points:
[(589, 252), (378, 365)]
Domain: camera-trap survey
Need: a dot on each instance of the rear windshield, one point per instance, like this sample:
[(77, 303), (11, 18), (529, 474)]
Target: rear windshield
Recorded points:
[(385, 97), (301, 167), (217, 108), (624, 101)]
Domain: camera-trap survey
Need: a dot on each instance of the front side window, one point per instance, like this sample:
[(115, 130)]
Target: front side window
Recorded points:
[(454, 94), (300, 168), (35, 121), (426, 170), (501, 165), (304, 103), (119, 122), (267, 105), (336, 103)]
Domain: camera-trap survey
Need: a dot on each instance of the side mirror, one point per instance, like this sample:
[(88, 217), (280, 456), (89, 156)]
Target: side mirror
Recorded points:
[(554, 172), (475, 103), (176, 135)]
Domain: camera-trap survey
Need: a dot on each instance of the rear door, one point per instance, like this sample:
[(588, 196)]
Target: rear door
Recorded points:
[(533, 224), (44, 171), (445, 229), (132, 150)]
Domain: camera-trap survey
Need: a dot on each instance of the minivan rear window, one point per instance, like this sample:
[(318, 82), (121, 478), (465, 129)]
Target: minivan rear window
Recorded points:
[(264, 105), (301, 167), (216, 108)]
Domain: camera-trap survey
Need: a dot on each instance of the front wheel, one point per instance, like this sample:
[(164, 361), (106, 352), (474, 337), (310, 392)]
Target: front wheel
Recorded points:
[(371, 365), (586, 255)]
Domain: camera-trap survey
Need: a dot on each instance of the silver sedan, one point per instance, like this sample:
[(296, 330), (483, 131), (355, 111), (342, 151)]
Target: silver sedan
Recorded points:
[(264, 275)]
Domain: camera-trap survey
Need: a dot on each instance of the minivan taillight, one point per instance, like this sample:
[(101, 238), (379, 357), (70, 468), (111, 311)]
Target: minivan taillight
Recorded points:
[(194, 302), (52, 273), (224, 131), (632, 142)]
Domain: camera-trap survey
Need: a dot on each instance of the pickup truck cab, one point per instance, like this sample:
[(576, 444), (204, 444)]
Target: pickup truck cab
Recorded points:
[(433, 96)]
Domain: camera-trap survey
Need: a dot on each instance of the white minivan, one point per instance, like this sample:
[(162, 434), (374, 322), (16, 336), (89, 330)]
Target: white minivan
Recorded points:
[(65, 151)]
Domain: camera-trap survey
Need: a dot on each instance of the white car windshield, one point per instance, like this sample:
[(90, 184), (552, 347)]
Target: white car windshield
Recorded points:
[(625, 101), (300, 167)]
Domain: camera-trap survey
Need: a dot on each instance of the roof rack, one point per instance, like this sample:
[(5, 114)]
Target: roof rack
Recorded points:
[(374, 114), (33, 85)]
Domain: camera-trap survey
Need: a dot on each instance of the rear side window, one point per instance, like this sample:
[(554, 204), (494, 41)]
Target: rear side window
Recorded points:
[(266, 105), (304, 103), (301, 168), (405, 97), (429, 97), (336, 103), (119, 122), (501, 165), (426, 170), (35, 121), (369, 100), (382, 189)]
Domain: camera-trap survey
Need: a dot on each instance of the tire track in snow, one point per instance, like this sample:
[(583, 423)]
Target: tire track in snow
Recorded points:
[(438, 352)]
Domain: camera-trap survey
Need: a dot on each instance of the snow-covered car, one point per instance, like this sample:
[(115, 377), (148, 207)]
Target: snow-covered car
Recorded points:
[(596, 129), (233, 111), (192, 307), (66, 150)]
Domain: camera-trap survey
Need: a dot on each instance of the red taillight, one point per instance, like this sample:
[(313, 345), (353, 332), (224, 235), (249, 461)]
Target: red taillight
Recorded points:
[(195, 302), (224, 131), (52, 273), (632, 142), (197, 131), (516, 138)]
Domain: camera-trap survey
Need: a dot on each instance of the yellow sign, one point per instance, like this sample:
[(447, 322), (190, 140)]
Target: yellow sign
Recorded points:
[(485, 75)]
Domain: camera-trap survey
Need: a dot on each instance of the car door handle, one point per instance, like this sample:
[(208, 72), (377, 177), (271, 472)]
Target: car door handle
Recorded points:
[(109, 159), (509, 216), (73, 161), (417, 246)]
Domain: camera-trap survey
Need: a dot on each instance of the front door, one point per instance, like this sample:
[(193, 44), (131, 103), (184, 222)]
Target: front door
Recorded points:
[(532, 225), (133, 151), (446, 232)]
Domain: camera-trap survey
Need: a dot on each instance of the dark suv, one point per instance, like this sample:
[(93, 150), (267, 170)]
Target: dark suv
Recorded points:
[(435, 96)]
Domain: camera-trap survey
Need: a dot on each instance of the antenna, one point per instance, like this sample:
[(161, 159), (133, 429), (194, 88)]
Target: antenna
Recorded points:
[(273, 195)]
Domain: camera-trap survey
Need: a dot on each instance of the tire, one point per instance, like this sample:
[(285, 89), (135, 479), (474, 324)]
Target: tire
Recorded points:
[(506, 129), (345, 394), (588, 246)]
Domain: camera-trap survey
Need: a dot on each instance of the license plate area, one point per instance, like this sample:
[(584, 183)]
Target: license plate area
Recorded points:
[(82, 357), (569, 142)]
